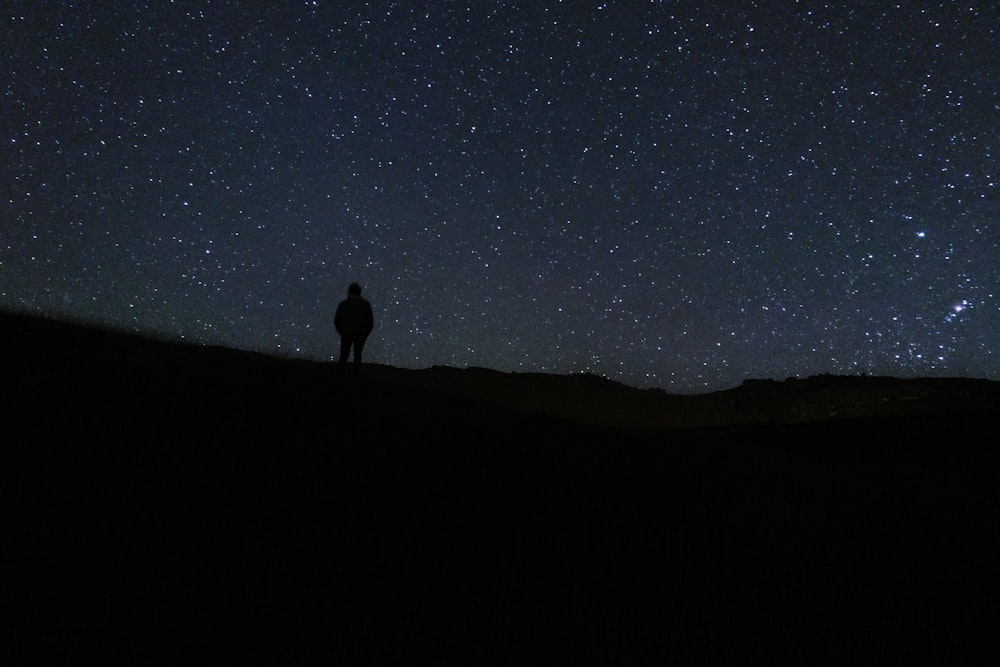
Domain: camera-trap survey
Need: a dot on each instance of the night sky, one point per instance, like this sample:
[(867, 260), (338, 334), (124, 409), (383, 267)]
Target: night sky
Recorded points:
[(679, 195)]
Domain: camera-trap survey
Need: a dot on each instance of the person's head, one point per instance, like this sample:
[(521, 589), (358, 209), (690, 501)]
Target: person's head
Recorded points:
[(354, 290)]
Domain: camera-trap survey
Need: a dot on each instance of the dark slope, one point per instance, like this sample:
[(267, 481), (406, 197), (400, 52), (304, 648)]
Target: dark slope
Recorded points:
[(184, 503), (58, 366)]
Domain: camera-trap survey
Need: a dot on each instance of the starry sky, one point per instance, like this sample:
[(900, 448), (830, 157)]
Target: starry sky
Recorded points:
[(676, 195)]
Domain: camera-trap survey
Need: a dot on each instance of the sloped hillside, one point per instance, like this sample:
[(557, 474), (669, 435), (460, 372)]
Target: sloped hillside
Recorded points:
[(209, 505), (53, 367)]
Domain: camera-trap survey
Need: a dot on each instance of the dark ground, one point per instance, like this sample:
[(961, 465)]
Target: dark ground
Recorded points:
[(181, 505)]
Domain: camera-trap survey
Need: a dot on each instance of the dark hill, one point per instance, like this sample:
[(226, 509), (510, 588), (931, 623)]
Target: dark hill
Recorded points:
[(92, 369), (189, 503)]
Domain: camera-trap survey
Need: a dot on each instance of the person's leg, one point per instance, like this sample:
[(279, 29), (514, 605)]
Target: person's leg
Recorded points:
[(345, 349), (359, 346)]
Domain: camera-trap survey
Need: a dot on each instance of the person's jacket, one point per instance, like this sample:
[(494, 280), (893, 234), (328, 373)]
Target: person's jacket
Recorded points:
[(354, 317)]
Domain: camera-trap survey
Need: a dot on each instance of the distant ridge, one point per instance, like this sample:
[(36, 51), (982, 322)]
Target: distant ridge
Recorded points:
[(43, 358)]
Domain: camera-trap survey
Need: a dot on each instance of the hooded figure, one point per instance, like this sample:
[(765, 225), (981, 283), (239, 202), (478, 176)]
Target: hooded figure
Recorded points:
[(354, 322)]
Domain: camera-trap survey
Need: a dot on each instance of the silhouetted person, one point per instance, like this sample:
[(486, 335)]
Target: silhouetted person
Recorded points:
[(354, 322)]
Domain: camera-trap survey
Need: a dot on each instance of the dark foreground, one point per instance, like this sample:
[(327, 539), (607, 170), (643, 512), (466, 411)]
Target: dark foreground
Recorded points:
[(174, 505)]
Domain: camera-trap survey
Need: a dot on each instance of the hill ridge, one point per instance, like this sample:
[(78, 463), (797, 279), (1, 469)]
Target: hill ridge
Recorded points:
[(42, 354)]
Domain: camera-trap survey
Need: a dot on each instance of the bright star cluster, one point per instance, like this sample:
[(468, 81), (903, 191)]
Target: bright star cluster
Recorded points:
[(679, 195)]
